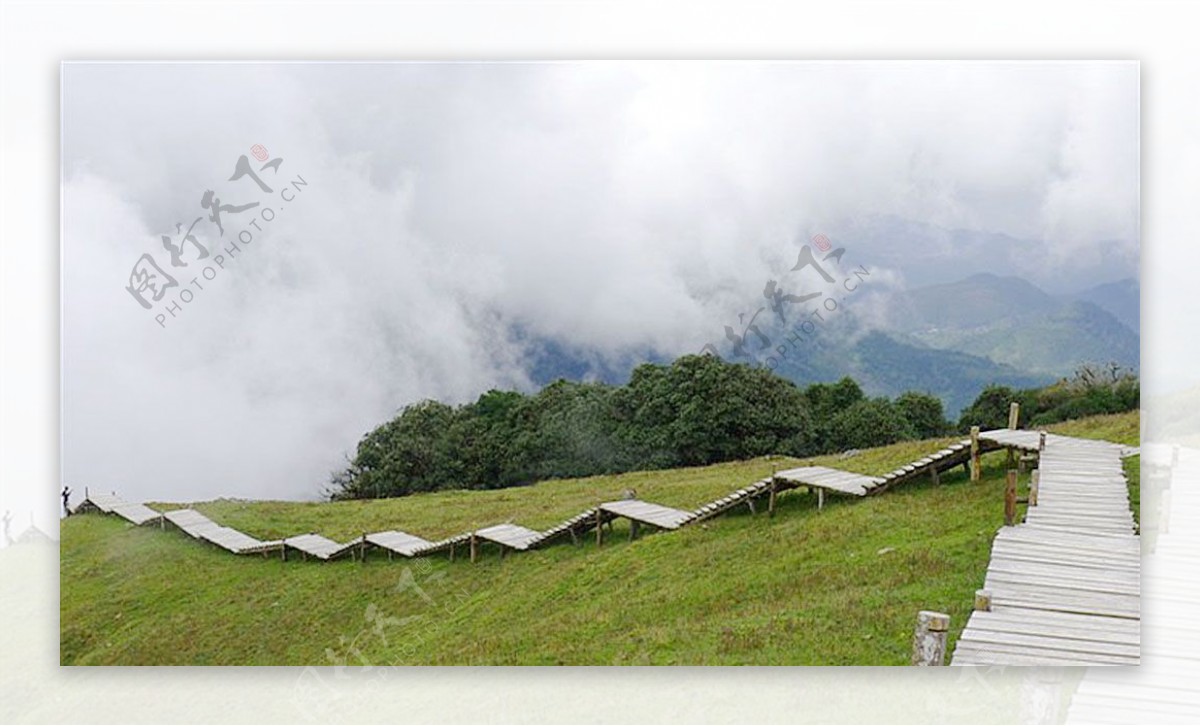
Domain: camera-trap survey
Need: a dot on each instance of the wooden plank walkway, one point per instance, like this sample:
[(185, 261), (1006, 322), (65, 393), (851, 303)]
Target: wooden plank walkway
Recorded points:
[(513, 536), (314, 545), (138, 514), (1163, 688), (190, 521), (1065, 584), (395, 542), (821, 477), (575, 527), (199, 526), (648, 513), (745, 495)]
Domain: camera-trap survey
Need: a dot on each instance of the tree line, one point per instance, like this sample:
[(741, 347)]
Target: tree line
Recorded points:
[(697, 410)]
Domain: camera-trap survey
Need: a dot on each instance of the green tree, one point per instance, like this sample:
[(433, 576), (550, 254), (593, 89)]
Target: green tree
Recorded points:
[(924, 413), (989, 410), (869, 422)]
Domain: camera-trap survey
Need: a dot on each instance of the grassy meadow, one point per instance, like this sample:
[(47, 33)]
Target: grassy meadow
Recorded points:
[(836, 587)]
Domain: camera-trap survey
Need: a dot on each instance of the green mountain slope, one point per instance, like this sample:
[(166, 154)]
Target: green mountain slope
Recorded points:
[(1012, 322), (839, 586)]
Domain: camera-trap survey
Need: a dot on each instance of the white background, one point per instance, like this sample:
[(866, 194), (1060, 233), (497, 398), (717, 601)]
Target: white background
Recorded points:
[(36, 36)]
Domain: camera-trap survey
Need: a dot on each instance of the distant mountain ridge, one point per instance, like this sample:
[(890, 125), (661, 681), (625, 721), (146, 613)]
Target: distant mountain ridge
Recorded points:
[(1121, 298), (949, 339), (1013, 322)]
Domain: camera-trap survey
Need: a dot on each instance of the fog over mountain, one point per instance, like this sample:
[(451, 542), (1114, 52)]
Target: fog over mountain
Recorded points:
[(459, 227)]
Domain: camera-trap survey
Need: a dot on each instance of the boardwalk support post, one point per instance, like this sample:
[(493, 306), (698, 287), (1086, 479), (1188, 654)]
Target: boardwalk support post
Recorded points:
[(771, 500), (1034, 482), (820, 498), (599, 527), (975, 464), (929, 638), (474, 548), (933, 475), (1041, 441), (983, 600), (1010, 498)]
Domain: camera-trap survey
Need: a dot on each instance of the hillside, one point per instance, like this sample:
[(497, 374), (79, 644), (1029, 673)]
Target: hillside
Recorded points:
[(840, 586), (1121, 298), (1014, 323)]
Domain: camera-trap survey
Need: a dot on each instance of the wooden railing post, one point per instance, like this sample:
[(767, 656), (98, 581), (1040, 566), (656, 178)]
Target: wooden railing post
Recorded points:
[(929, 638), (983, 600), (975, 464), (1041, 441), (1010, 498), (1014, 414), (1034, 481)]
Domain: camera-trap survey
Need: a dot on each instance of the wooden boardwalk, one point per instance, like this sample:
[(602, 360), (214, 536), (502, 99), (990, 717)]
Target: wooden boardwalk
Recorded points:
[(1163, 688), (1064, 585), (515, 537), (201, 527), (314, 545), (394, 542), (137, 514)]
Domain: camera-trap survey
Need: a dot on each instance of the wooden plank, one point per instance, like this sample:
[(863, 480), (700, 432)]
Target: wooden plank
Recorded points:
[(649, 513), (316, 545), (401, 543), (510, 535)]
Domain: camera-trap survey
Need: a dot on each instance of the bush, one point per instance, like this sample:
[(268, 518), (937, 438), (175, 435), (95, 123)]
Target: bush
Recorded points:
[(870, 422), (924, 414)]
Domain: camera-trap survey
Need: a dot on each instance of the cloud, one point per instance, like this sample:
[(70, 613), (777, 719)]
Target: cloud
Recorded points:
[(618, 208)]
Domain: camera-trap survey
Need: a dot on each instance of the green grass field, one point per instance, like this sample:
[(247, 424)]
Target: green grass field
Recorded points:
[(840, 586)]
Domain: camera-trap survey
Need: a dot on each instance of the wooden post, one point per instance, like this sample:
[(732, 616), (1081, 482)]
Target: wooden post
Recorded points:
[(771, 499), (599, 527), (820, 499), (1034, 482), (983, 600), (474, 548), (750, 503), (929, 638), (1010, 498), (1041, 441), (975, 464), (363, 549), (1014, 414), (574, 537), (934, 476), (633, 529)]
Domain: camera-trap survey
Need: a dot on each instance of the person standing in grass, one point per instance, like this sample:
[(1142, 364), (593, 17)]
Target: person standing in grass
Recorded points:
[(66, 497)]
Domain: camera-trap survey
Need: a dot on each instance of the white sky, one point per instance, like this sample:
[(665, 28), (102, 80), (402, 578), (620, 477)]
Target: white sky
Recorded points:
[(621, 207)]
